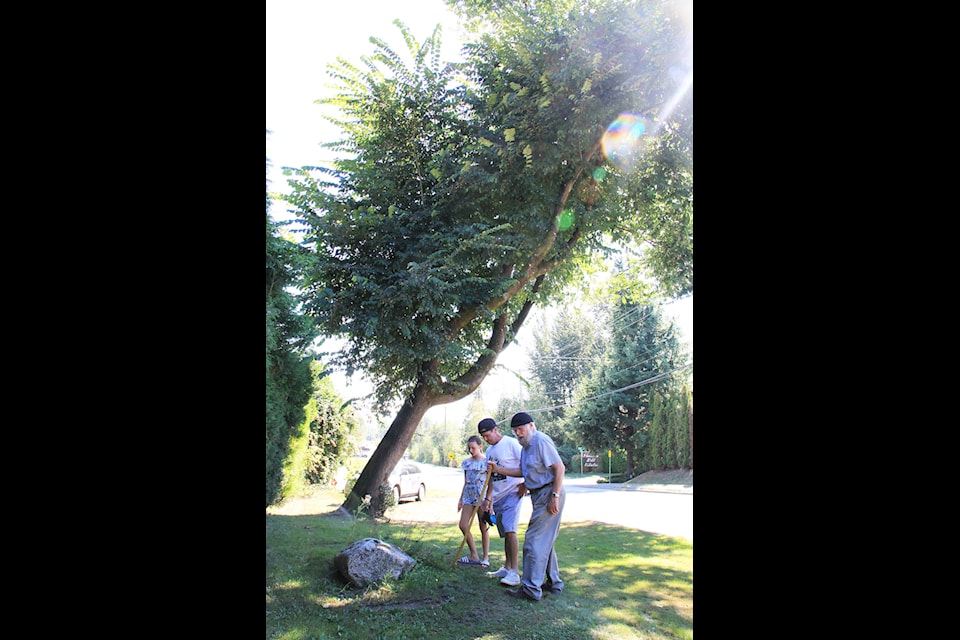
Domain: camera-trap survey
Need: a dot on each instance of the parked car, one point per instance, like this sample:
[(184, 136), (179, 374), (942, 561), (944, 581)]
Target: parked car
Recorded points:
[(407, 482)]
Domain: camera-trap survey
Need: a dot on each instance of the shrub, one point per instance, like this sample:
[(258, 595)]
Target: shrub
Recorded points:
[(567, 454)]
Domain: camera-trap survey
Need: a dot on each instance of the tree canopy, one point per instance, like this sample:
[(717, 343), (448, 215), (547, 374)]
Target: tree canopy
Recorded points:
[(466, 193)]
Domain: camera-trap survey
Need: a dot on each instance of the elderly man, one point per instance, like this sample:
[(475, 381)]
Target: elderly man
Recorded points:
[(542, 472)]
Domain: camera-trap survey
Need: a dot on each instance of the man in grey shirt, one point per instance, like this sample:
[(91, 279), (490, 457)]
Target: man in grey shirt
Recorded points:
[(542, 472)]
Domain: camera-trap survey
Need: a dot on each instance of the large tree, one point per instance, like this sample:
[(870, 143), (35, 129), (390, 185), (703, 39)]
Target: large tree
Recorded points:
[(467, 193)]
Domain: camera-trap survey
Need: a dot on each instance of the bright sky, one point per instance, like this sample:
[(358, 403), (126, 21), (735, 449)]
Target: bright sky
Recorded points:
[(302, 36)]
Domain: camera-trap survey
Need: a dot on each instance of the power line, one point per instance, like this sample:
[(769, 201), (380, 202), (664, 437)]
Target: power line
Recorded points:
[(651, 380)]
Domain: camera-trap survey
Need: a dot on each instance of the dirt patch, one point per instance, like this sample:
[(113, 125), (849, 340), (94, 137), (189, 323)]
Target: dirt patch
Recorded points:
[(431, 603), (313, 501)]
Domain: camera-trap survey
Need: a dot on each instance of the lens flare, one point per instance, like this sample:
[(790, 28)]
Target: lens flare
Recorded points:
[(625, 141), (565, 220)]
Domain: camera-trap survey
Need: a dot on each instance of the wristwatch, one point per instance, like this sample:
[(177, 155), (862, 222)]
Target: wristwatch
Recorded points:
[(555, 494)]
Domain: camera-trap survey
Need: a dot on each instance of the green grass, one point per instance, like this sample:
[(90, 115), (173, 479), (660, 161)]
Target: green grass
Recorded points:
[(619, 584)]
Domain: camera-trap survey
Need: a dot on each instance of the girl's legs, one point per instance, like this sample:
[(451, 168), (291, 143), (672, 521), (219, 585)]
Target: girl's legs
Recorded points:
[(466, 516), (485, 540)]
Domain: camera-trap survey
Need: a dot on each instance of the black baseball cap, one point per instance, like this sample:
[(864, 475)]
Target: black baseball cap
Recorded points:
[(487, 424)]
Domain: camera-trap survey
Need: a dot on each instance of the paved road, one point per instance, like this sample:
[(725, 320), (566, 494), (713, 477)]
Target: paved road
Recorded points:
[(654, 509), (665, 512)]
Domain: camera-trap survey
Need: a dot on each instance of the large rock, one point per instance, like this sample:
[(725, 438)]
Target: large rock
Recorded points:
[(370, 560)]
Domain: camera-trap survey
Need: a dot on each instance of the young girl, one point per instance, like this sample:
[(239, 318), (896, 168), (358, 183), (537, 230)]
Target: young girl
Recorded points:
[(474, 475)]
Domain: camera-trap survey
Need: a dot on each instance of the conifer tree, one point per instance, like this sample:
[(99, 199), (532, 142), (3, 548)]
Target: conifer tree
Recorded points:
[(615, 405)]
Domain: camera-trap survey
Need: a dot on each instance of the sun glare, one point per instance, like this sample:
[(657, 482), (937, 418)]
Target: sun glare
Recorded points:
[(625, 139)]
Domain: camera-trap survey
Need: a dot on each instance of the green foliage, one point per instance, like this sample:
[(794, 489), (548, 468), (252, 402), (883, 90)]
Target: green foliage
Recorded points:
[(288, 335), (476, 411), (334, 430), (464, 194), (566, 455), (296, 466), (564, 351), (391, 270), (443, 212), (615, 411), (436, 440), (661, 451), (680, 419), (427, 452), (508, 405), (658, 244), (669, 431)]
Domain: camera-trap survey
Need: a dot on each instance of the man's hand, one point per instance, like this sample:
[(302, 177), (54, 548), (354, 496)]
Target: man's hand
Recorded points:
[(522, 490), (553, 506)]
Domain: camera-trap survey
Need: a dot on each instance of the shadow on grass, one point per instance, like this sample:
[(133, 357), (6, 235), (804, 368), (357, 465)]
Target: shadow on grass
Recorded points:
[(620, 583)]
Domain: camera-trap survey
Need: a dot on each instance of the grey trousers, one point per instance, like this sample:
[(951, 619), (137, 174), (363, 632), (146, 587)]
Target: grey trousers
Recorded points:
[(539, 557)]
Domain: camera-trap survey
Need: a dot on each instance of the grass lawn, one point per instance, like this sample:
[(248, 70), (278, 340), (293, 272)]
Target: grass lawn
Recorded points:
[(620, 584)]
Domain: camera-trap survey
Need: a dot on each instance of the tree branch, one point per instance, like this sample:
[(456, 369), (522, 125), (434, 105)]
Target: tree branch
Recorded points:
[(471, 379)]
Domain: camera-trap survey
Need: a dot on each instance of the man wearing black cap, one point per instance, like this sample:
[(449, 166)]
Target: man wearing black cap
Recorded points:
[(503, 499), (542, 471)]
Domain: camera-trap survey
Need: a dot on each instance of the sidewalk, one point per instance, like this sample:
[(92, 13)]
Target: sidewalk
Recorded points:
[(660, 488), (590, 481)]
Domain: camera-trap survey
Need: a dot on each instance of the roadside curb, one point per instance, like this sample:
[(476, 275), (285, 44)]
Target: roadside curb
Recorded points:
[(658, 488), (633, 486)]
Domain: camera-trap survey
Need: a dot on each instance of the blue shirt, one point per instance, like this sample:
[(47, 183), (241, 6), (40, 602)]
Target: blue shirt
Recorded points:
[(536, 460)]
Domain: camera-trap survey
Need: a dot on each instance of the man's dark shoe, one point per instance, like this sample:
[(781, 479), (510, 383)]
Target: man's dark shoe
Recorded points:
[(520, 594), (549, 590)]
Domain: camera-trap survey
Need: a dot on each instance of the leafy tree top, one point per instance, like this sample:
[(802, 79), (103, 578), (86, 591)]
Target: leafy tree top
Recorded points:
[(468, 192)]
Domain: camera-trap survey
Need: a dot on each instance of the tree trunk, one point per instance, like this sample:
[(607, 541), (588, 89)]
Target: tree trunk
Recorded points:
[(404, 426), (389, 451)]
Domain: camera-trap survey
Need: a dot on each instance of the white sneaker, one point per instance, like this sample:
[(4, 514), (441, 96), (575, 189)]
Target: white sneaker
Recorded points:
[(512, 578), (502, 572)]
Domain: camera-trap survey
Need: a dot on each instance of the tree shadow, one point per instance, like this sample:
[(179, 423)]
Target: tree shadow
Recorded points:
[(619, 580)]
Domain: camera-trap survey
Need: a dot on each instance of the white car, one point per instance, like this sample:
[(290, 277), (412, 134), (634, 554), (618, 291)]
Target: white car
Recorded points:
[(407, 482)]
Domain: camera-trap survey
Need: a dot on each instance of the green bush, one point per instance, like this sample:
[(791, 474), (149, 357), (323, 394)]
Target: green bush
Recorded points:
[(295, 465), (567, 453), (288, 378)]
